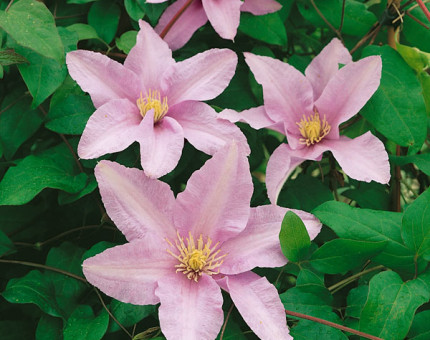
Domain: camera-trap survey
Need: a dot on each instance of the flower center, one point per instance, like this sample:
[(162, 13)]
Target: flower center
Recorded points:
[(152, 101), (313, 129), (196, 257)]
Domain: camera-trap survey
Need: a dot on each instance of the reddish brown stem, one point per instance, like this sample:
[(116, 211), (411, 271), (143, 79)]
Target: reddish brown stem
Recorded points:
[(332, 324), (175, 18), (397, 178), (424, 9)]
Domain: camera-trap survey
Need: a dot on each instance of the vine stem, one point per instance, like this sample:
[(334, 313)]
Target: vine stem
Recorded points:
[(326, 21), (353, 277), (53, 269), (225, 322), (424, 9), (175, 18), (332, 324)]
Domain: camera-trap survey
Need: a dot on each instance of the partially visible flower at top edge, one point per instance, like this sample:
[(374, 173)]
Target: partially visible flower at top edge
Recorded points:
[(224, 16), (181, 251), (154, 100), (309, 108)]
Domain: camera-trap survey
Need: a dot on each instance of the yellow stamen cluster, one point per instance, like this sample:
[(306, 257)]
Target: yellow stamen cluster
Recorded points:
[(312, 129), (196, 258), (152, 101)]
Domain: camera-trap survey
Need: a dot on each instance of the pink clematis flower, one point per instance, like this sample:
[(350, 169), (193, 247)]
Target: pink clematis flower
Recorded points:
[(224, 15), (181, 251), (155, 101), (309, 108)]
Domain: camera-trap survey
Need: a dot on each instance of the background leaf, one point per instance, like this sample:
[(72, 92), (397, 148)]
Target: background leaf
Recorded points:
[(294, 237)]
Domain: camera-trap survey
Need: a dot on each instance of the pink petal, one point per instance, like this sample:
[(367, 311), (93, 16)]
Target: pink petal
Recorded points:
[(103, 78), (325, 65), (216, 200), (160, 145), (279, 167), (258, 302), (287, 93), (224, 16), (189, 310), (260, 7), (203, 130), (201, 77), (129, 273), (149, 58), (141, 207), (363, 158), (111, 128), (256, 117), (348, 90), (183, 29), (258, 245)]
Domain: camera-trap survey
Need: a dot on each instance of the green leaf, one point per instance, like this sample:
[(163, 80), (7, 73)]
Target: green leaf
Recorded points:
[(128, 314), (353, 24), (66, 198), (10, 57), (32, 25), (416, 226), (420, 329), (104, 17), (6, 245), (370, 225), (126, 41), (294, 237), (70, 115), (68, 291), (356, 300), (391, 305), (304, 193), (134, 9), (422, 161), (97, 249), (18, 122), (33, 288), (369, 195), (84, 31), (84, 325), (340, 255), (415, 58), (53, 168), (49, 328), (42, 76), (416, 34), (397, 109), (297, 300), (268, 28)]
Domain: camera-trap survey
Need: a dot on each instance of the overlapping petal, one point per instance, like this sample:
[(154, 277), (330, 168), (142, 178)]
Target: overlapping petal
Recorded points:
[(190, 21), (287, 93), (111, 128), (189, 310), (149, 58), (141, 207), (161, 145), (224, 16), (216, 200), (103, 78), (256, 117), (130, 272), (363, 158), (325, 65), (260, 7), (258, 302), (201, 77), (203, 130), (348, 90), (258, 245)]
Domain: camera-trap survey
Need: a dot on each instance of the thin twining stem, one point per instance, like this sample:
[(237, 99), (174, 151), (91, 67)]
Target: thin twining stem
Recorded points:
[(332, 324), (352, 278)]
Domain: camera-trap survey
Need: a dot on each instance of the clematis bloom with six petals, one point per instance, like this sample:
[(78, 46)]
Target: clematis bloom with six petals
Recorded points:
[(224, 16), (155, 101), (309, 108), (181, 251)]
